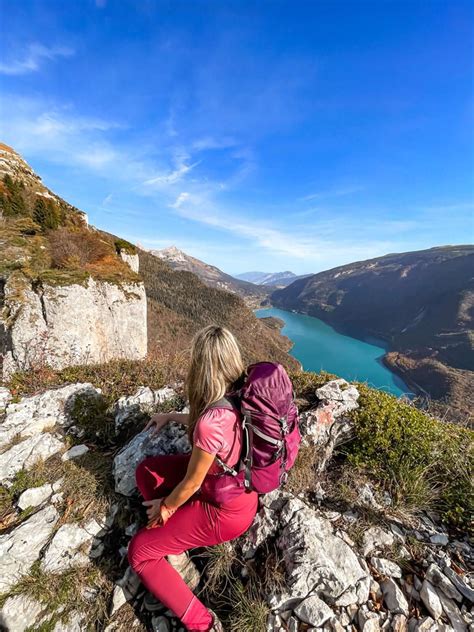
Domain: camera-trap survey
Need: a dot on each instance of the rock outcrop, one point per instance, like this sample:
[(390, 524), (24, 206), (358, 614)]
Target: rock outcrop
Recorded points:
[(327, 582), (64, 325)]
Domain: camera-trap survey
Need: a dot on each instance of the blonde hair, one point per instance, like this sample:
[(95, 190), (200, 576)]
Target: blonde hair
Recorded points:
[(216, 363)]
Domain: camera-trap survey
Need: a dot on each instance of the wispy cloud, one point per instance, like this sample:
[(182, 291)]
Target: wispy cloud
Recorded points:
[(172, 176), (33, 58), (304, 244), (331, 193)]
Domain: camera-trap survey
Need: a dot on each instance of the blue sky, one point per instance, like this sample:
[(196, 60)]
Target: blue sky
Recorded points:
[(253, 135)]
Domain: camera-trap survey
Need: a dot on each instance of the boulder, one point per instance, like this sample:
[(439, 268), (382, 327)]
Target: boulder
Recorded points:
[(22, 546), (25, 454), (438, 579), (452, 612), (376, 539), (314, 611), (32, 415), (316, 561), (35, 496), (386, 567), (430, 598), (75, 452), (328, 425), (172, 439), (20, 613), (459, 583), (394, 599), (70, 547), (134, 408)]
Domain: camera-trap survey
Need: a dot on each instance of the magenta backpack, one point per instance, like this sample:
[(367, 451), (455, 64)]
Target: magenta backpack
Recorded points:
[(271, 436)]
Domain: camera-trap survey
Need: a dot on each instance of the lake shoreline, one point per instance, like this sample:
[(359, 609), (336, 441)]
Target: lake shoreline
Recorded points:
[(403, 386)]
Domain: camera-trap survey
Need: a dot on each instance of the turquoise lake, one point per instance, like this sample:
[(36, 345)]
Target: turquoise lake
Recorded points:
[(320, 347)]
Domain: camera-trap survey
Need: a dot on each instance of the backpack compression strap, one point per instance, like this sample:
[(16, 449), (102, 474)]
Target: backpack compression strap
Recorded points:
[(225, 402)]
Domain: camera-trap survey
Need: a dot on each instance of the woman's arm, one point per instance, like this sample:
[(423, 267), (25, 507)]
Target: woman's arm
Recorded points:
[(198, 467), (161, 419), (160, 510)]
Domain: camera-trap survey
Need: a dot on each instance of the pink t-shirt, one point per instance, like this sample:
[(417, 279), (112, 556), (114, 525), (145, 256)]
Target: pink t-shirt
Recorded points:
[(218, 431)]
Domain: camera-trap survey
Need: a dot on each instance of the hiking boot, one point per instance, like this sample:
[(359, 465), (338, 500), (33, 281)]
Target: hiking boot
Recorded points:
[(186, 568), (216, 624), (152, 604)]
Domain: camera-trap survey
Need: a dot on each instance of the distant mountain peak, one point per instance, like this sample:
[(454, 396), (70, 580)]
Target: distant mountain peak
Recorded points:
[(171, 253), (276, 279), (211, 275)]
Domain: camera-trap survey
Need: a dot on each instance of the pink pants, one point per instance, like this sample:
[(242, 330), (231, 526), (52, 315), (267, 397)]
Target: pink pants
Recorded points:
[(195, 524)]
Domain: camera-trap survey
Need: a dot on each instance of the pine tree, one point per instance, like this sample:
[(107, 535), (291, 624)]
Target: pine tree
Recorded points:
[(46, 214)]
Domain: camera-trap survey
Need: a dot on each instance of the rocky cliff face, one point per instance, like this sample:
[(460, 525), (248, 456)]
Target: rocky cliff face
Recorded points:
[(70, 324), (68, 293)]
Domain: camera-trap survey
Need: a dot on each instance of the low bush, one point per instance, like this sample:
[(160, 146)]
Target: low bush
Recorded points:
[(122, 245), (76, 248), (423, 462)]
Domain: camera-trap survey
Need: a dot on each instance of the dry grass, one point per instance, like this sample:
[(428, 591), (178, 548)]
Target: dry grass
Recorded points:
[(220, 561), (303, 476), (248, 610), (114, 378), (65, 591), (76, 248)]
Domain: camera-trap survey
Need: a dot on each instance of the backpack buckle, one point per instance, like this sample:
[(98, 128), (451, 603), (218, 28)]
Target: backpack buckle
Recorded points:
[(284, 425)]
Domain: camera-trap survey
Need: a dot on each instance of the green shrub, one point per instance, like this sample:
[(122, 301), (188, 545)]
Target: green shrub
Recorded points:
[(46, 213), (424, 462), (122, 245)]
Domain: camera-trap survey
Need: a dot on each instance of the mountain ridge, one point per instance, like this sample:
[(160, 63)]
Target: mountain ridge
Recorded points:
[(211, 275), (421, 303)]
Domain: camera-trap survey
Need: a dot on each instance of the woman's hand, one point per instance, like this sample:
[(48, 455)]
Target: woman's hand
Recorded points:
[(157, 422), (158, 513)]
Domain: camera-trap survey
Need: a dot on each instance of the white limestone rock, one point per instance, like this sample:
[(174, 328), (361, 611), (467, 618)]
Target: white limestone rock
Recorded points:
[(314, 611), (19, 613), (73, 324), (22, 546), (343, 394), (134, 408), (75, 452), (460, 584), (386, 567), (118, 600), (35, 496), (131, 259), (376, 539), (172, 439), (70, 547), (186, 568), (317, 561), (25, 454), (399, 623), (76, 622), (425, 625), (393, 596), (430, 598), (328, 425), (5, 398), (452, 612), (438, 579), (32, 415)]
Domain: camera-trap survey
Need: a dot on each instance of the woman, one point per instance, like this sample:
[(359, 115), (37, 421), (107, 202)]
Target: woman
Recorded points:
[(178, 518)]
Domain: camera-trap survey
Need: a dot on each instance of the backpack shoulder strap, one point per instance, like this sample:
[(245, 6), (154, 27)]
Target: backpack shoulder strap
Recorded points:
[(228, 402)]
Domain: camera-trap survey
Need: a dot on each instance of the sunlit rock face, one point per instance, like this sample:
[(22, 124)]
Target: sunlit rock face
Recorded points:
[(71, 324)]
